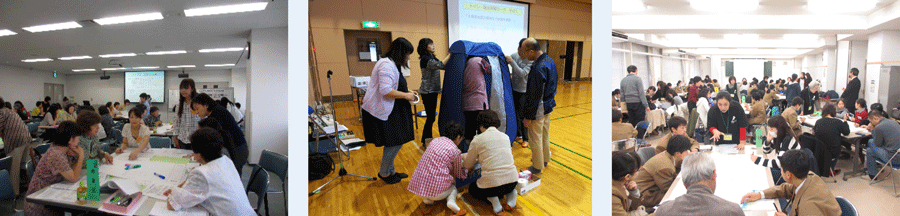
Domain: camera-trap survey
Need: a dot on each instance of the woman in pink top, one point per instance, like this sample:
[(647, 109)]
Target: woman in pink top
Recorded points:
[(474, 94), (55, 166), (387, 115)]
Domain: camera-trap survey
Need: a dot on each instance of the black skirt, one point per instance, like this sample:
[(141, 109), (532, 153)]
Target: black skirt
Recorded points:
[(397, 130)]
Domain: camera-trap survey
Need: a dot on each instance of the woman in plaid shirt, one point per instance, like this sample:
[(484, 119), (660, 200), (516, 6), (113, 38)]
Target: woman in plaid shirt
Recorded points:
[(185, 119), (433, 178)]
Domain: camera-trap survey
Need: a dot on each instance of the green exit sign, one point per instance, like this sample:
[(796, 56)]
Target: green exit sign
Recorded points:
[(54, 74), (369, 24)]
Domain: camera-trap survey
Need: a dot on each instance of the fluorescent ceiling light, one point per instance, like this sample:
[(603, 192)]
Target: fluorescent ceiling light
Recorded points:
[(801, 37), (52, 27), (181, 66), (144, 68), (117, 55), (37, 60), (83, 70), (232, 49), (6, 32), (628, 6), (110, 69), (840, 6), (167, 52), (225, 9), (219, 65), (74, 58), (672, 37), (726, 6), (129, 18), (741, 37)]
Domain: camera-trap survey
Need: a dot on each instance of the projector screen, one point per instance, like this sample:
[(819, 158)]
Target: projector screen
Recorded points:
[(749, 69), (501, 22), (150, 82)]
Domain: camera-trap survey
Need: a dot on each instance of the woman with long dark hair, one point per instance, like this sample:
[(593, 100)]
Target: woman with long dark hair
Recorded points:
[(779, 138), (50, 119), (431, 82), (205, 107), (229, 106), (185, 119), (387, 117)]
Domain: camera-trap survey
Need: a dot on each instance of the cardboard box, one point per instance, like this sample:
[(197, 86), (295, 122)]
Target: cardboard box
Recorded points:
[(530, 186)]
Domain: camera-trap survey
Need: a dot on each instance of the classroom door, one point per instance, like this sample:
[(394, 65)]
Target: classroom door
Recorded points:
[(54, 91), (572, 67), (363, 50), (557, 51)]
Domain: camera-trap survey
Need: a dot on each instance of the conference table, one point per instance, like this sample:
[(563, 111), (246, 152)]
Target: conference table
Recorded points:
[(168, 162), (162, 131), (736, 176), (856, 137)]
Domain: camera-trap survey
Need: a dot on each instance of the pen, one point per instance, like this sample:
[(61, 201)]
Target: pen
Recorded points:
[(160, 176), (776, 207)]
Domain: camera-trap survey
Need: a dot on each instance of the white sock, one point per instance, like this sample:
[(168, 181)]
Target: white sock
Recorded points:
[(427, 201), (451, 200), (511, 198), (495, 202)]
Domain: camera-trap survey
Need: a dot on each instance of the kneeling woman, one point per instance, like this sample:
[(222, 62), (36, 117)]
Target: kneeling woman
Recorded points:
[(55, 167)]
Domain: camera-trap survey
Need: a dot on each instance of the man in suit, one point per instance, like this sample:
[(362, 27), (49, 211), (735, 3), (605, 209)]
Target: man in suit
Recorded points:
[(790, 115), (677, 126), (808, 194), (851, 92), (621, 130), (700, 180), (659, 172)]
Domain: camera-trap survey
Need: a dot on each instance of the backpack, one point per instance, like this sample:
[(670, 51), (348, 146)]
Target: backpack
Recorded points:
[(320, 165), (775, 111)]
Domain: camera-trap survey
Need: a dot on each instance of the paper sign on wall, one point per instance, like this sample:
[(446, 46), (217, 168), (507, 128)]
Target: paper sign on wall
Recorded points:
[(93, 180)]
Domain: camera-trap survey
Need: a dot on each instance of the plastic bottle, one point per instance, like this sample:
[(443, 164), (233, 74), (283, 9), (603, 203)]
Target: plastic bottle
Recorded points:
[(82, 194)]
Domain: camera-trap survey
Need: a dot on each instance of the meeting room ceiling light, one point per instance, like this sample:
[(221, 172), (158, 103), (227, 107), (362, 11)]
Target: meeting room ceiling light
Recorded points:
[(801, 37), (75, 58), (628, 6), (181, 66), (741, 37), (83, 70), (725, 6), (232, 49), (236, 8), (38, 60), (167, 52), (840, 6), (145, 68), (117, 55), (6, 32), (219, 65), (112, 69), (129, 18), (52, 27), (682, 37)]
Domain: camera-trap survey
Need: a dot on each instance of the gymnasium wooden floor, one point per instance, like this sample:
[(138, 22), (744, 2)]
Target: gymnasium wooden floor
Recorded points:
[(565, 186)]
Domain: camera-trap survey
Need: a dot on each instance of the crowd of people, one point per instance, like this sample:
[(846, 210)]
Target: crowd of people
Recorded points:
[(725, 116)]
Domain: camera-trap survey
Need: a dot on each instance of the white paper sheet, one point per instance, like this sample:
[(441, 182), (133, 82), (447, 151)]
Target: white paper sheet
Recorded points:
[(127, 186), (161, 209), (156, 190), (64, 196)]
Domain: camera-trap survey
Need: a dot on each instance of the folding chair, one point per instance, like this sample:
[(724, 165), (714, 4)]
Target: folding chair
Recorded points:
[(847, 208), (646, 153), (893, 166), (642, 128)]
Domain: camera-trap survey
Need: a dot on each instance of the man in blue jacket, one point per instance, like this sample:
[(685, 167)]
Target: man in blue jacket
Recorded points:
[(793, 90), (539, 103)]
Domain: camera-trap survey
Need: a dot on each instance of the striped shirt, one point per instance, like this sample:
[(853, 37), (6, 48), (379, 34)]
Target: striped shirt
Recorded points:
[(185, 125), (436, 169), (789, 143), (12, 130)]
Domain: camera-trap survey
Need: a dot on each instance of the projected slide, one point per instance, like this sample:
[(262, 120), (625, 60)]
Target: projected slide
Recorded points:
[(150, 82), (501, 22)]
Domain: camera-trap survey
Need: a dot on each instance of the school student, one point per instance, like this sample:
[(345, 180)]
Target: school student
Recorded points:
[(89, 121), (861, 117), (136, 135), (842, 112), (771, 95), (677, 126), (626, 197), (433, 178), (205, 107), (779, 139), (498, 170), (152, 120), (790, 115), (185, 118), (55, 166), (659, 171), (214, 185), (758, 109), (621, 129), (808, 194)]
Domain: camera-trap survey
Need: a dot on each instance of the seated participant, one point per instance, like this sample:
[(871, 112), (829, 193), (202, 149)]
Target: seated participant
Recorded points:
[(659, 172), (68, 114), (51, 117), (699, 171), (152, 120), (106, 120), (771, 95), (621, 129), (615, 98), (55, 167), (676, 100), (790, 115), (727, 121), (807, 193), (758, 108), (135, 135), (19, 108), (214, 185), (842, 112), (831, 131), (89, 121), (433, 178), (861, 117), (38, 109), (779, 139), (703, 111), (884, 143), (498, 170), (677, 126), (626, 198)]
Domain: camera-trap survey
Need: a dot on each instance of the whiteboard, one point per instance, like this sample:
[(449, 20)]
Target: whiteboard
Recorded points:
[(150, 82), (749, 69)]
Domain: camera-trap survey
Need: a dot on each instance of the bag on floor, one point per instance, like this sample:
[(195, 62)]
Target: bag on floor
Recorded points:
[(320, 165)]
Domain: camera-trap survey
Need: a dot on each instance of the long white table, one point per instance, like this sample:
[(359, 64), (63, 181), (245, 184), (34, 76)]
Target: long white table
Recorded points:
[(164, 130), (736, 176), (62, 194)]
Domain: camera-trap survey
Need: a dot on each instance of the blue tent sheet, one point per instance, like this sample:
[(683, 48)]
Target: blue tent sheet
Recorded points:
[(451, 95)]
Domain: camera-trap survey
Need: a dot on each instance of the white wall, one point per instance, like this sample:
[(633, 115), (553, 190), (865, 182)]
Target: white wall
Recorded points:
[(239, 82), (831, 74), (20, 84), (267, 70), (843, 66), (858, 53)]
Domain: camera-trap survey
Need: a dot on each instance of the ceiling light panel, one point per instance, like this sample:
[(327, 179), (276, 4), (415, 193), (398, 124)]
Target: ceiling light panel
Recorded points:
[(38, 60), (117, 55), (145, 68), (6, 32), (52, 27), (129, 18), (225, 9), (75, 58), (725, 6), (112, 69), (840, 6), (181, 66), (232, 49), (83, 70), (219, 65), (167, 52)]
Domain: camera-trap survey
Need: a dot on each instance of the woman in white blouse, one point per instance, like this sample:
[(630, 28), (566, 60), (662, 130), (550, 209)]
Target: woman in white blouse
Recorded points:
[(136, 135), (185, 119), (215, 185)]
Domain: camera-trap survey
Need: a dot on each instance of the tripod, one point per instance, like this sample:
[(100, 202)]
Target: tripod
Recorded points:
[(337, 144)]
